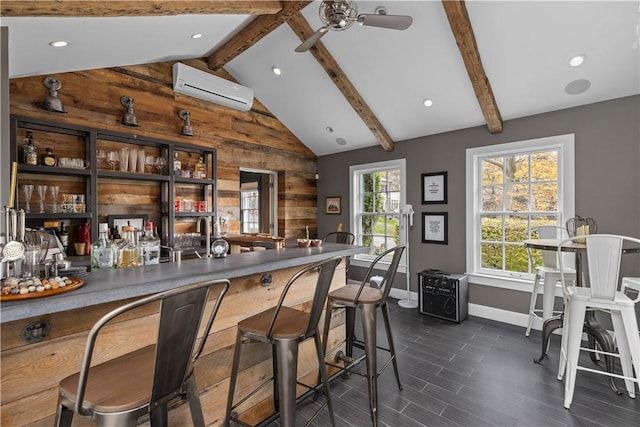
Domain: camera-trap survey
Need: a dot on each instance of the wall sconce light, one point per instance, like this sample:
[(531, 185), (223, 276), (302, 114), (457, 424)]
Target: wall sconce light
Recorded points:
[(129, 118), (52, 102), (186, 130)]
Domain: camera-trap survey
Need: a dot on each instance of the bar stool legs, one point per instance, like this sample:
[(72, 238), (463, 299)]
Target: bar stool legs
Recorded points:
[(368, 314)]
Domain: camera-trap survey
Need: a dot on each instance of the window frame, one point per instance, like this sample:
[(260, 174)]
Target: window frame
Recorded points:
[(355, 202), (565, 145)]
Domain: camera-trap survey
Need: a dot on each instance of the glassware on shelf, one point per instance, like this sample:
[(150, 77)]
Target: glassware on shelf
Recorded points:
[(113, 159), (27, 191), (160, 163), (124, 159), (149, 163), (101, 156), (42, 192), (54, 190), (141, 160), (133, 160)]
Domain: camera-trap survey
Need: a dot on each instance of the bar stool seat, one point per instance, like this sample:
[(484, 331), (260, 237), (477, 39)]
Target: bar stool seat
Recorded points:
[(366, 299), (285, 328)]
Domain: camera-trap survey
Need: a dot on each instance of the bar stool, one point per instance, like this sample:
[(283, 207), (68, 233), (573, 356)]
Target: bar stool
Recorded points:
[(367, 299), (285, 328), (119, 391)]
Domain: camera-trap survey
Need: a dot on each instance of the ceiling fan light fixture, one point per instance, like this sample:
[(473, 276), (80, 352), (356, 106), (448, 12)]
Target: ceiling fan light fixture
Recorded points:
[(577, 60)]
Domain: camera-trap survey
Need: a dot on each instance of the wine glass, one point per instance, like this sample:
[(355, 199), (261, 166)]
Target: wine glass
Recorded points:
[(42, 192), (101, 156), (150, 162), (54, 189), (112, 159), (160, 163), (27, 190)]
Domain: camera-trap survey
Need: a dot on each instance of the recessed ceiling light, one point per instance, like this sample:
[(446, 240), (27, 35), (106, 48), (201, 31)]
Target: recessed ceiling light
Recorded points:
[(329, 129), (58, 43), (427, 103), (577, 60), (196, 35), (277, 71)]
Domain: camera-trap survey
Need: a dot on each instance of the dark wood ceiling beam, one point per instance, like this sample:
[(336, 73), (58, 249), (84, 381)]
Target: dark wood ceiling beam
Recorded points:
[(253, 33), (301, 27), (137, 8), (460, 24)]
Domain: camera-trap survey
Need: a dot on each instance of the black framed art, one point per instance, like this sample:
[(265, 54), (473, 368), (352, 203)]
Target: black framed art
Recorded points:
[(435, 227), (434, 188)]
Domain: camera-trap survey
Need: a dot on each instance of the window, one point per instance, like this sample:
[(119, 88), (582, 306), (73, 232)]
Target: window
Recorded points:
[(511, 188), (377, 195), (249, 208)]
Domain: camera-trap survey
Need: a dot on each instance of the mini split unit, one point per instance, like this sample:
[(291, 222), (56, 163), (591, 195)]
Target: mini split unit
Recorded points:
[(202, 85)]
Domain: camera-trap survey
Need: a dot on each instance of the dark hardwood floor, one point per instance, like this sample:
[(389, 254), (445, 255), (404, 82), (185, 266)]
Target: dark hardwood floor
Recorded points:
[(477, 373)]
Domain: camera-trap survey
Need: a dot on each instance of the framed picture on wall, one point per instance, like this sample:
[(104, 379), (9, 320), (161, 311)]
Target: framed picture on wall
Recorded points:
[(434, 227), (434, 188), (333, 205)]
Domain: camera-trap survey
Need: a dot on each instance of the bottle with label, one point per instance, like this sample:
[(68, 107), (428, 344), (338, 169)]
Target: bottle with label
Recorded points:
[(48, 159), (64, 238), (129, 253), (150, 243), (103, 252), (177, 165), (29, 150)]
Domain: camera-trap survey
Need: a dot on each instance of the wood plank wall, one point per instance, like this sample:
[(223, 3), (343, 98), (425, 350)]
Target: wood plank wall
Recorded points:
[(253, 139)]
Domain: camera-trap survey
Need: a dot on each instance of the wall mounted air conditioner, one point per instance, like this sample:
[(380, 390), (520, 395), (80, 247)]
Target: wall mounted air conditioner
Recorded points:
[(202, 85)]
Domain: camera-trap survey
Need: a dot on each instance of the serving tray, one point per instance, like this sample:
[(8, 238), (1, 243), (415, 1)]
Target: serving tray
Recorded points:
[(76, 282)]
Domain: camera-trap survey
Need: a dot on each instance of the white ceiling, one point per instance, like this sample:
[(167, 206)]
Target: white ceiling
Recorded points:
[(525, 47)]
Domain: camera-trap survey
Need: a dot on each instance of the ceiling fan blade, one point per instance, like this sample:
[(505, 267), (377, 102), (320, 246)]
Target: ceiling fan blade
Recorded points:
[(395, 22), (313, 39)]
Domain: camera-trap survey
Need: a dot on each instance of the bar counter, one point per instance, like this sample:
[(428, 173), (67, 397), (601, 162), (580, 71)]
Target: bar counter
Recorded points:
[(30, 372)]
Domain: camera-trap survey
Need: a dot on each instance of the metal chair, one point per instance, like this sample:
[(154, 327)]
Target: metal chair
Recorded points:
[(285, 328), (367, 299), (548, 274), (119, 391), (603, 255), (339, 237)]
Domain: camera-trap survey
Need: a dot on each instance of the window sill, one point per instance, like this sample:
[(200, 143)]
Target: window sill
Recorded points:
[(513, 284)]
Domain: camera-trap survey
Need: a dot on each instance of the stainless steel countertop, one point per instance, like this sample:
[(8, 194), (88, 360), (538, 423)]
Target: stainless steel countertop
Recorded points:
[(105, 286)]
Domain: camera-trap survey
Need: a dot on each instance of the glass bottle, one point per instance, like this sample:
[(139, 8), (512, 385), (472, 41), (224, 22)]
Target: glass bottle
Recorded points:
[(64, 238), (103, 252), (150, 243), (177, 165), (48, 159), (129, 253), (201, 172), (29, 150)]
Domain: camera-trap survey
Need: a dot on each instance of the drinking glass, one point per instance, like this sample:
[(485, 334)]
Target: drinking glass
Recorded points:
[(124, 159), (112, 159), (160, 162), (54, 189), (101, 156), (42, 192), (27, 190), (133, 160), (149, 164), (141, 160)]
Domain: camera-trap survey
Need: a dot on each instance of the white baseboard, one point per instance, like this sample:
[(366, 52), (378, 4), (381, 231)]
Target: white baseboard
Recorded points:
[(402, 294)]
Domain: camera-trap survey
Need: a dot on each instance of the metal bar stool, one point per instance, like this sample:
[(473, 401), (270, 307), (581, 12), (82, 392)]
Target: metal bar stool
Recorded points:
[(285, 328), (119, 391), (367, 299)]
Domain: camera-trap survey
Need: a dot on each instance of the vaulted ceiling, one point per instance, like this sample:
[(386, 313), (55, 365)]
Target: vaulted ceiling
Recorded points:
[(480, 62)]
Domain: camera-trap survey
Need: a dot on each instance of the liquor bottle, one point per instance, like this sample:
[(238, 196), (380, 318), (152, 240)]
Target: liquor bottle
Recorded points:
[(29, 150), (201, 171), (64, 238), (177, 165), (103, 252), (150, 244), (48, 159), (115, 234), (129, 253)]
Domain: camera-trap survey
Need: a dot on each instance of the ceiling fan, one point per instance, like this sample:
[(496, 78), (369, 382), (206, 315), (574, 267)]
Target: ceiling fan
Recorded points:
[(341, 14)]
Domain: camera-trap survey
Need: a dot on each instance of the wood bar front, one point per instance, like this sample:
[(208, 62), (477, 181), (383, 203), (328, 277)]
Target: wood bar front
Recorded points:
[(31, 372)]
